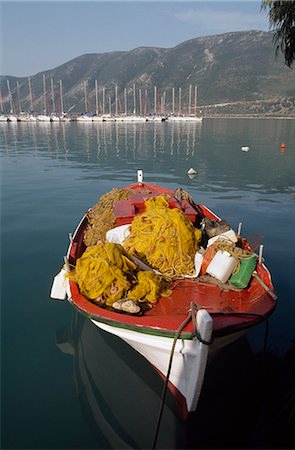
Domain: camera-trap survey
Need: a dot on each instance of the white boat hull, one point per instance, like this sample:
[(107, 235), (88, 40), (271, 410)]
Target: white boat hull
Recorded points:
[(189, 356), (43, 118), (11, 118), (132, 119), (97, 119), (84, 119), (26, 118), (184, 119)]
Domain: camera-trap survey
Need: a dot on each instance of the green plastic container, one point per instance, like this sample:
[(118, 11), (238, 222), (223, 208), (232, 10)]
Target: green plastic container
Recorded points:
[(242, 278)]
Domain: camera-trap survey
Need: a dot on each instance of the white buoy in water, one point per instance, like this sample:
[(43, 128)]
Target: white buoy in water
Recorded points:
[(245, 149), (191, 173)]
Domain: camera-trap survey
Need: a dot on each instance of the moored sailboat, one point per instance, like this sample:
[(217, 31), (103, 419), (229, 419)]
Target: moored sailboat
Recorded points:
[(44, 117)]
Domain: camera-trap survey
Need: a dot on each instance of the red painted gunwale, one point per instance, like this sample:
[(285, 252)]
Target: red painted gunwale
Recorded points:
[(251, 305)]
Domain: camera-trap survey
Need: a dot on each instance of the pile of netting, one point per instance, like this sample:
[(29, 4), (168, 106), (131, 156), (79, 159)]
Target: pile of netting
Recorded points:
[(101, 217), (106, 274), (164, 238)]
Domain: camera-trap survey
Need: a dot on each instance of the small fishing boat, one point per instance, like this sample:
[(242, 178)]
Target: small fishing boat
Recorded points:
[(198, 314)]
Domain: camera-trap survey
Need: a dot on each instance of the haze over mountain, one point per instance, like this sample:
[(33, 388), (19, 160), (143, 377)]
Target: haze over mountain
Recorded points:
[(237, 71)]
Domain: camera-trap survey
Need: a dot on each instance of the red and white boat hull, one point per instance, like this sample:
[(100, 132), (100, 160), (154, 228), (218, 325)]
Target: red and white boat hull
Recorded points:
[(189, 355)]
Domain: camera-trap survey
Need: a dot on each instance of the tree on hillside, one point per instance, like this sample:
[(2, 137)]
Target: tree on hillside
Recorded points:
[(282, 22)]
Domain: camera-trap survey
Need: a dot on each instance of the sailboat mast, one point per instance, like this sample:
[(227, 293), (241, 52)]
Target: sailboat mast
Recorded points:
[(103, 99), (85, 97), (196, 96), (52, 96), (179, 101), (110, 105), (134, 100), (140, 103), (173, 100), (96, 98), (116, 100), (31, 94), (18, 97), (44, 93), (189, 99), (125, 100), (10, 97), (145, 101), (155, 100), (61, 98)]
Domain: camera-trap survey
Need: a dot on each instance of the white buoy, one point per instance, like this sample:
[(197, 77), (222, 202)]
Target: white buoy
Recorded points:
[(245, 149), (191, 171)]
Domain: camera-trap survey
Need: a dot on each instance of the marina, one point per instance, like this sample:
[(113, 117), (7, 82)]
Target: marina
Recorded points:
[(110, 105), (106, 118)]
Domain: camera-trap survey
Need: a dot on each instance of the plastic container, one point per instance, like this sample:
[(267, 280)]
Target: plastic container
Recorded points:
[(58, 289), (242, 278), (230, 234), (209, 254), (222, 266)]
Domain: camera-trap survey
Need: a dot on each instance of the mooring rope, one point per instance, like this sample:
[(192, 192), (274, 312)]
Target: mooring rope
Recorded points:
[(164, 391), (177, 335), (190, 317)]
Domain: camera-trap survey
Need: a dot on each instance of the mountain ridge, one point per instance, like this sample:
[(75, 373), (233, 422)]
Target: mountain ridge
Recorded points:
[(236, 68)]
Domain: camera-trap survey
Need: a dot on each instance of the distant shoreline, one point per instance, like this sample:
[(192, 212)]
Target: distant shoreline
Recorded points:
[(244, 116), (26, 117)]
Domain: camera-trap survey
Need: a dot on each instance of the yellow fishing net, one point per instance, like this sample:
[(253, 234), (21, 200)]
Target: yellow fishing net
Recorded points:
[(164, 238), (101, 217), (105, 274), (149, 287)]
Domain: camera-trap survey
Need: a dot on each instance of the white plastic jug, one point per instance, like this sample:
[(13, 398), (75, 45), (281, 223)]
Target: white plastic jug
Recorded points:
[(222, 266), (230, 234)]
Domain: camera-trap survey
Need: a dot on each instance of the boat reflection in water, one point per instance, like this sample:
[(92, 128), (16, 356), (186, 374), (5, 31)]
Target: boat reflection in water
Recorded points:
[(242, 404), (118, 388)]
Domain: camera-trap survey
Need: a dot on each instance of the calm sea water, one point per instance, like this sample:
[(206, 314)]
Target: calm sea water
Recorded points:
[(67, 385)]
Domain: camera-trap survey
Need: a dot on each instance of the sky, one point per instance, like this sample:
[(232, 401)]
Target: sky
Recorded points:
[(41, 35)]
